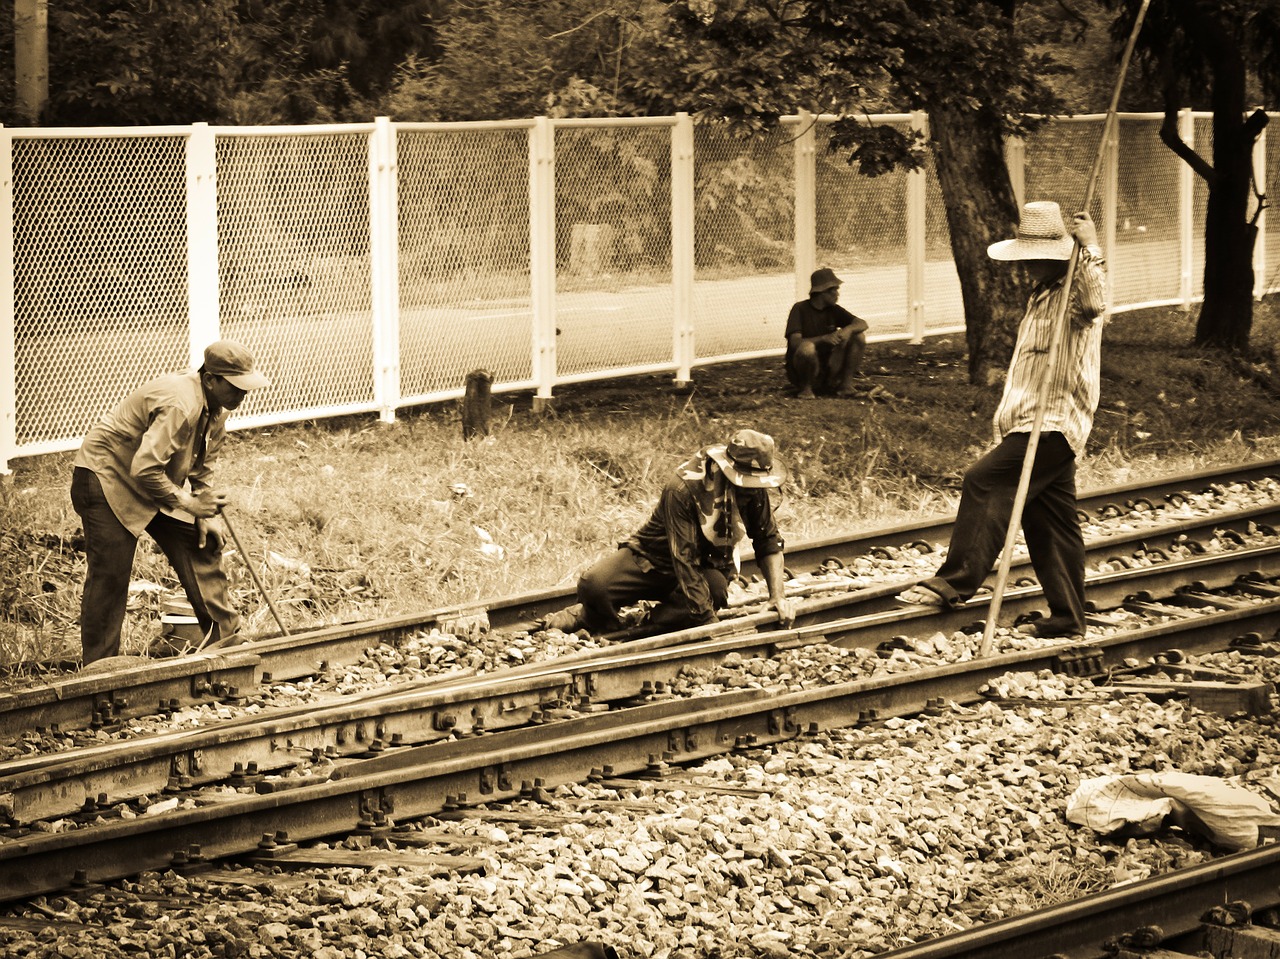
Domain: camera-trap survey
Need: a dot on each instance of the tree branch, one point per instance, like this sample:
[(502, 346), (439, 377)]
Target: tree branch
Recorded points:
[(1169, 137), (1255, 123)]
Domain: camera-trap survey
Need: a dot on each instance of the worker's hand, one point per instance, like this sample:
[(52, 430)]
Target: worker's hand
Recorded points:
[(206, 532), (1083, 230), (204, 504), (786, 608)]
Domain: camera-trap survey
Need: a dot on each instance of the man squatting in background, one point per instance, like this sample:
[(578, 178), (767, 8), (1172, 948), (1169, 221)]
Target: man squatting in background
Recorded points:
[(825, 342)]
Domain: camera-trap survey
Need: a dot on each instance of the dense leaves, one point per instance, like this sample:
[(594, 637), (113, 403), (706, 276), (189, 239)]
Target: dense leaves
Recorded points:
[(1221, 56)]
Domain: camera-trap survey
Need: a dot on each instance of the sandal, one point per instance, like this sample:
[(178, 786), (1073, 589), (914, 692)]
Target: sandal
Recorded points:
[(921, 595)]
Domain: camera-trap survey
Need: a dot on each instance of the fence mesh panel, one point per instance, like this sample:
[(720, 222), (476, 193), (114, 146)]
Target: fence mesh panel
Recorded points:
[(1271, 274), (100, 274), (744, 239), (100, 260), (1200, 204), (862, 235), (465, 299), (293, 265), (944, 306), (613, 247)]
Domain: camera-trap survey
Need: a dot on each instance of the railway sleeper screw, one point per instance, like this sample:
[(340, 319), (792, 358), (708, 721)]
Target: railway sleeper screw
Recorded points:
[(540, 793), (274, 846), (596, 775)]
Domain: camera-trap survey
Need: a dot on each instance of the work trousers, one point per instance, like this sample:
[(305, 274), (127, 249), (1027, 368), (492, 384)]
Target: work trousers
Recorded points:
[(619, 580), (1049, 525), (109, 550), (827, 363)]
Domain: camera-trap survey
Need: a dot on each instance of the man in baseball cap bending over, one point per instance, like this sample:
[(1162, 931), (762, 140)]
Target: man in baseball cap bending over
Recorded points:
[(147, 465), (684, 557)]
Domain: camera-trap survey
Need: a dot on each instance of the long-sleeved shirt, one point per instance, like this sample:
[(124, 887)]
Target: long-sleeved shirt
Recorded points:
[(672, 540), (159, 437), (1072, 396)]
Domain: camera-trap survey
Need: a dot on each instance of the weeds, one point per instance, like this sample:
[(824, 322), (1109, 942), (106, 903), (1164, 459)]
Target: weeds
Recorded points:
[(348, 520)]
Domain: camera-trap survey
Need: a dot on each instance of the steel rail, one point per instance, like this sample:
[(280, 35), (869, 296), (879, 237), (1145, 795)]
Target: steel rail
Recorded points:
[(156, 685), (424, 780), (1078, 929), (62, 783)]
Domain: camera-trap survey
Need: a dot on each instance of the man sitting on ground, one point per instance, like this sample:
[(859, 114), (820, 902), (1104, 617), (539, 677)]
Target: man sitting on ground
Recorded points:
[(825, 342), (687, 553)]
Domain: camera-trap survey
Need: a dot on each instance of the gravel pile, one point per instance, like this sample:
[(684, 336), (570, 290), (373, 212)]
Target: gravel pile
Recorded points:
[(845, 844)]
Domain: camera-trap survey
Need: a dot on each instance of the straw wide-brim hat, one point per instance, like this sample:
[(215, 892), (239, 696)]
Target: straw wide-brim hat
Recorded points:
[(1041, 236), (747, 460)]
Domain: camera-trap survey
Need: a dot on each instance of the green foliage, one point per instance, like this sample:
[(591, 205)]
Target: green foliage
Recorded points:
[(139, 61), (752, 61), (510, 58), (1183, 44)]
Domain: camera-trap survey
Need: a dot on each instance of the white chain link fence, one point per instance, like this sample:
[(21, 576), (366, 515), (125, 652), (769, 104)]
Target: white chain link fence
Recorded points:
[(371, 266)]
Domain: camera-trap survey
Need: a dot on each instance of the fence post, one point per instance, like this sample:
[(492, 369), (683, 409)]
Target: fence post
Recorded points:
[(1186, 210), (8, 338), (1015, 160), (804, 150), (1260, 239), (1110, 200), (384, 268), (917, 224), (542, 256), (682, 249), (203, 312)]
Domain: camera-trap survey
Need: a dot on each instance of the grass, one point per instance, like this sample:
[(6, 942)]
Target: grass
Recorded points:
[(352, 519)]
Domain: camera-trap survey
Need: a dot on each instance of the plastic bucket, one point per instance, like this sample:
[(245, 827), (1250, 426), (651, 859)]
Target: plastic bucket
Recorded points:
[(178, 634)]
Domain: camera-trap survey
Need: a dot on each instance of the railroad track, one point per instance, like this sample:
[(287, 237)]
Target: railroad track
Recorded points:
[(1204, 909), (1147, 518), (455, 742)]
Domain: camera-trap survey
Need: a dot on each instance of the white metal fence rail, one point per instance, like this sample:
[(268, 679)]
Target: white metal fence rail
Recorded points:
[(371, 266)]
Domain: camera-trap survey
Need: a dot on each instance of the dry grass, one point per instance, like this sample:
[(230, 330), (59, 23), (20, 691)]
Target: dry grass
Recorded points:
[(351, 519)]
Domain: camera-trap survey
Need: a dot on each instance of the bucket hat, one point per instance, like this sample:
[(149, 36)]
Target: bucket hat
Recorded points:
[(823, 279), (747, 460), (1041, 236), (234, 363)]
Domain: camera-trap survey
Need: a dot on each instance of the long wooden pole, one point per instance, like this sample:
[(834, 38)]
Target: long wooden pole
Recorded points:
[(1061, 328)]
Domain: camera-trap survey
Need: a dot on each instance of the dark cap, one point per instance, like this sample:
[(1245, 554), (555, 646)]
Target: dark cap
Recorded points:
[(234, 363)]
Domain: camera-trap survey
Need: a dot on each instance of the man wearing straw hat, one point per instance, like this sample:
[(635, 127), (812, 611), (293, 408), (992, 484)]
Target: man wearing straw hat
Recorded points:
[(1049, 522), (684, 557), (147, 465)]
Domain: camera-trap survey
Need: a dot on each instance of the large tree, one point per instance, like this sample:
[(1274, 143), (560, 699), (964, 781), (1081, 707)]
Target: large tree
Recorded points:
[(1194, 46), (973, 65)]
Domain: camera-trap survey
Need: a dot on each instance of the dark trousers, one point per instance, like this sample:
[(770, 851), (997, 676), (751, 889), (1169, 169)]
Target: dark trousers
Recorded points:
[(109, 549), (618, 580), (1049, 525)]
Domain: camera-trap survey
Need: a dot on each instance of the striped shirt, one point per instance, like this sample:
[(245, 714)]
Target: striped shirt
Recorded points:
[(1072, 396)]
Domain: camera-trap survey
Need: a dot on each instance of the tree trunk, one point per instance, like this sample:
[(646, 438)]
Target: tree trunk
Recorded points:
[(1226, 316), (981, 209)]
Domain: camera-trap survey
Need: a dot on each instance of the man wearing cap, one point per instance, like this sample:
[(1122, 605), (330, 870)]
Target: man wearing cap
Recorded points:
[(825, 342), (687, 553), (147, 466), (1049, 522)]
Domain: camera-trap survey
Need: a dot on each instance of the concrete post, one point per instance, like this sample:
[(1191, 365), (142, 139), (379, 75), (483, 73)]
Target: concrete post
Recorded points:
[(384, 268), (203, 314), (682, 248), (542, 256)]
